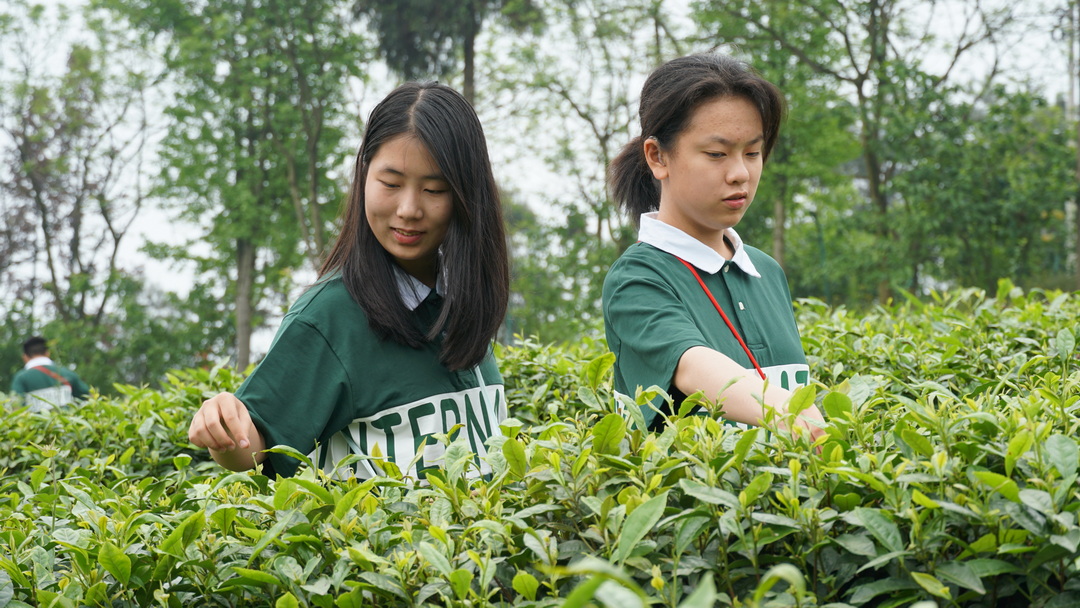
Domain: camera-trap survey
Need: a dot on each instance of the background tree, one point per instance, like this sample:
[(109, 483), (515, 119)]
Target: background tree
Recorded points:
[(73, 147), (430, 38), (573, 113), (254, 137), (986, 188), (1067, 30), (876, 52)]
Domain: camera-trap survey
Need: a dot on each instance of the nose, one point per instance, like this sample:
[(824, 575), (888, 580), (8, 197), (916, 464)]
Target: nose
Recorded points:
[(409, 204), (738, 172)]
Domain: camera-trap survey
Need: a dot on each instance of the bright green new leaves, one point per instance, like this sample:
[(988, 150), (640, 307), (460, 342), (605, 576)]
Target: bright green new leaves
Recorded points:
[(945, 478), (608, 434), (115, 562), (999, 483), (1063, 454), (638, 524)]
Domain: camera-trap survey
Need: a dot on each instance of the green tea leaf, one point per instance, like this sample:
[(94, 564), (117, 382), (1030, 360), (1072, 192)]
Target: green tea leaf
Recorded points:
[(884, 530), (177, 541), (460, 580), (1063, 454), (115, 562), (526, 584), (1066, 343), (596, 371), (923, 500), (608, 434), (755, 489), (638, 524), (255, 577), (287, 601), (781, 572), (961, 574), (584, 592), (917, 442), (1018, 446), (837, 405), (435, 558), (859, 545), (802, 399), (1039, 500), (709, 494), (514, 452), (932, 585), (689, 531), (1000, 484), (702, 597)]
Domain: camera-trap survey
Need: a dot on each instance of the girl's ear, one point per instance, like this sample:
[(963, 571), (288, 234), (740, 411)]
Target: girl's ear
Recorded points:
[(654, 156)]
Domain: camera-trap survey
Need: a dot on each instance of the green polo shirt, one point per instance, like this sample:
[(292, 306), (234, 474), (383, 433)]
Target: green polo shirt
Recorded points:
[(328, 379), (655, 310), (42, 391)]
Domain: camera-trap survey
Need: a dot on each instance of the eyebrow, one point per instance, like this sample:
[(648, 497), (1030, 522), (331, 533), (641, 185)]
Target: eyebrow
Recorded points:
[(728, 142), (392, 171)]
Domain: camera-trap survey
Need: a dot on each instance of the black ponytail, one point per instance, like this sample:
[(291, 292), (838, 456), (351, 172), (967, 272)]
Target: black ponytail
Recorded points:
[(632, 182)]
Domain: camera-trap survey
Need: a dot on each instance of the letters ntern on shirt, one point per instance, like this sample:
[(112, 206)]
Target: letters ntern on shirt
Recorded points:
[(329, 379)]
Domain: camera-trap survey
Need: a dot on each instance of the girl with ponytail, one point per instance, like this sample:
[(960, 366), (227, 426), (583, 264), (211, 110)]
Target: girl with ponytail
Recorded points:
[(690, 307)]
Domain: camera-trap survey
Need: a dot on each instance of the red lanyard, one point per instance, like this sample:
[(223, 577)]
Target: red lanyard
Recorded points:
[(745, 348)]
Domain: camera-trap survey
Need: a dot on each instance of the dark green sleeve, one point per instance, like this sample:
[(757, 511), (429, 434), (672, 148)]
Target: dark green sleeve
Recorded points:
[(79, 389), (297, 391), (18, 387), (650, 328)]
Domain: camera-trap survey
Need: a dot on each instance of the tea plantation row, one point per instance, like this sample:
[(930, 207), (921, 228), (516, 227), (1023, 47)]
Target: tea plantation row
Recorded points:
[(948, 477)]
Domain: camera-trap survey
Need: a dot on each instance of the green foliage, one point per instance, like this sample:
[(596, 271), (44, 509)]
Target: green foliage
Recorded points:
[(948, 476), (148, 333), (987, 190), (255, 132)]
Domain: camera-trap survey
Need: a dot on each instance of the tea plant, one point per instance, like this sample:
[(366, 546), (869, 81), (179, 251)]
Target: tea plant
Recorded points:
[(947, 477)]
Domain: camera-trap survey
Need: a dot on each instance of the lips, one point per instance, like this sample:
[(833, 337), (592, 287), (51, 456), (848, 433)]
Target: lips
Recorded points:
[(737, 200), (407, 237)]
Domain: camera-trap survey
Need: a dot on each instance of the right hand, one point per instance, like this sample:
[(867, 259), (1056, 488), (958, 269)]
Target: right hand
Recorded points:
[(221, 424)]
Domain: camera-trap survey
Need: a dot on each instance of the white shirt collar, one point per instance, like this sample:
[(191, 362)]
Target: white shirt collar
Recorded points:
[(412, 290), (670, 239), (37, 362)]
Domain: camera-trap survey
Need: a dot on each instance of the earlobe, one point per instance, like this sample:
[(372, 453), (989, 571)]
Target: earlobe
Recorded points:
[(654, 156)]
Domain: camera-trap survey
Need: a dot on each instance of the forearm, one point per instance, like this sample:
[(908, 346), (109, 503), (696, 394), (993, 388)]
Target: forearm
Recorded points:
[(739, 391)]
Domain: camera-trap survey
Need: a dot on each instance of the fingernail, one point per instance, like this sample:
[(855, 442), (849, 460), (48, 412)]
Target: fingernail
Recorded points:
[(244, 443)]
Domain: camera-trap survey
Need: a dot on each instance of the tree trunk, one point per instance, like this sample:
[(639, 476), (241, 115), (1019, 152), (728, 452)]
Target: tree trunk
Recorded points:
[(1076, 215), (245, 280), (1076, 210)]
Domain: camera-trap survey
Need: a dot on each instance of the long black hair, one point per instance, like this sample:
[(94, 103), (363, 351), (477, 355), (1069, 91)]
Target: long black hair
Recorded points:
[(473, 265), (668, 100)]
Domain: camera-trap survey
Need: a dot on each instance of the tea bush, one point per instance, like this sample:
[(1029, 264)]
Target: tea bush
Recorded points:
[(948, 478)]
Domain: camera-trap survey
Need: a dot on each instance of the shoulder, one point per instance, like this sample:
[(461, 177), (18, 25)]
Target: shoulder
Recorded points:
[(324, 294), (640, 260), (642, 276), (325, 300), (764, 262)]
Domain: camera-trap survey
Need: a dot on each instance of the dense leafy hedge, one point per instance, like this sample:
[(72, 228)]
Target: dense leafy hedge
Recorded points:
[(948, 477)]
